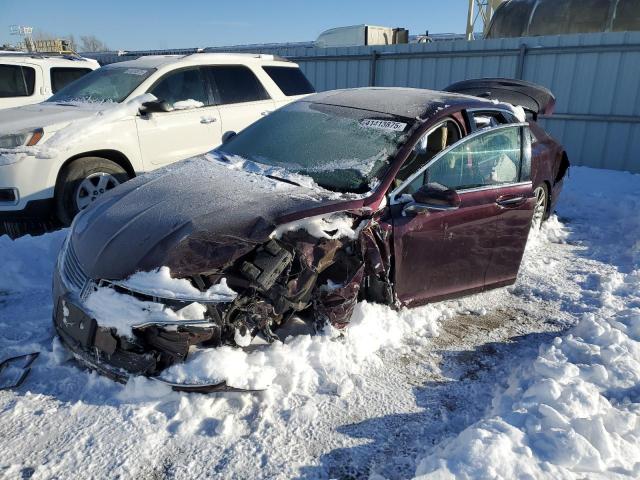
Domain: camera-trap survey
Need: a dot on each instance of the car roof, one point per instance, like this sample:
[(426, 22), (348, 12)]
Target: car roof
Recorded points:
[(47, 58), (400, 102), (157, 61)]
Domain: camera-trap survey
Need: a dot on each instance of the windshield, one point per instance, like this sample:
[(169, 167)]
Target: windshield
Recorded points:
[(342, 149), (106, 84)]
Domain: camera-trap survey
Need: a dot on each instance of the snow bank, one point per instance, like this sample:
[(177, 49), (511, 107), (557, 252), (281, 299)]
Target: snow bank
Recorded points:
[(574, 412), (25, 262), (305, 364)]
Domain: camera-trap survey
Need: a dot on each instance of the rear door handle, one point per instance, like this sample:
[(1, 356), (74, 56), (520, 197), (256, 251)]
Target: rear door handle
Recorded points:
[(510, 202)]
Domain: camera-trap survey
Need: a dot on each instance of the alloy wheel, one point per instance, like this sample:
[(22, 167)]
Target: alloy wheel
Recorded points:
[(540, 208), (93, 187)]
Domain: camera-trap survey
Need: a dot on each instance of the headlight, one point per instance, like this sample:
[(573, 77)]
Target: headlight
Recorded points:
[(28, 139)]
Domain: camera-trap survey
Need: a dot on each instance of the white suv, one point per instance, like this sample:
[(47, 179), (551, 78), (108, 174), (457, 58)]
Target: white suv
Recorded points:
[(128, 118), (27, 78)]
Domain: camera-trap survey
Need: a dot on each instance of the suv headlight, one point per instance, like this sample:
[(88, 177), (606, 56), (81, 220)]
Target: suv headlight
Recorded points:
[(15, 140)]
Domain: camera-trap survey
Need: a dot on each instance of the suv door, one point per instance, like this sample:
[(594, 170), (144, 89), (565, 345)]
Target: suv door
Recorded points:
[(442, 253), (191, 128), (240, 96)]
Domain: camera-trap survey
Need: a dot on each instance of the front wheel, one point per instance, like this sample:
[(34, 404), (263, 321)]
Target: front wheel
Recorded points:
[(82, 182), (541, 195)]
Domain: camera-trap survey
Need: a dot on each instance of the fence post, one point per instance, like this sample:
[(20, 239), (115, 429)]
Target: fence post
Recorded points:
[(522, 57), (372, 71)]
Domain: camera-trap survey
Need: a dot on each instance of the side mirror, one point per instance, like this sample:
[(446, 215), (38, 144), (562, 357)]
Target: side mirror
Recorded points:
[(156, 106), (228, 136), (433, 196)]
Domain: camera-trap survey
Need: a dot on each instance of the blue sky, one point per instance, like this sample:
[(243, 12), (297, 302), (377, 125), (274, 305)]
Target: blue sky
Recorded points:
[(138, 24)]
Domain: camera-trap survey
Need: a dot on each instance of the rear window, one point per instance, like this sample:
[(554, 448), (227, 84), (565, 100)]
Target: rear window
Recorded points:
[(16, 81), (290, 80), (61, 77), (236, 84)]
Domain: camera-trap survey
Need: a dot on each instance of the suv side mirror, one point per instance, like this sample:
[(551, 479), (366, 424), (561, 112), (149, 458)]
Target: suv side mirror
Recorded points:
[(154, 107), (433, 196)]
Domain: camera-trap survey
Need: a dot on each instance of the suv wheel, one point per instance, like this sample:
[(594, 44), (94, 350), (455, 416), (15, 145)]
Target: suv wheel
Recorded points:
[(82, 182)]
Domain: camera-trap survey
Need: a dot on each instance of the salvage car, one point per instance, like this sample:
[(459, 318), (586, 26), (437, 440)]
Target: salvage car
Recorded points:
[(391, 195)]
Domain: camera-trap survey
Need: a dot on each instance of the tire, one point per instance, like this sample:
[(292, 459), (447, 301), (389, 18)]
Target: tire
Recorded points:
[(541, 207), (82, 182)]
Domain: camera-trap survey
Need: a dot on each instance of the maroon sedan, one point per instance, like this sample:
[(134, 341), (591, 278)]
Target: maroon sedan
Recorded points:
[(391, 195)]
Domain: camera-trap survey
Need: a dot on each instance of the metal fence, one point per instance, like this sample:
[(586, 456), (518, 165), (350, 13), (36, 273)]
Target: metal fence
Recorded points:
[(595, 77)]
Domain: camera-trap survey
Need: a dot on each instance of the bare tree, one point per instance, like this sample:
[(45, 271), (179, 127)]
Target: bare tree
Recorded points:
[(91, 43)]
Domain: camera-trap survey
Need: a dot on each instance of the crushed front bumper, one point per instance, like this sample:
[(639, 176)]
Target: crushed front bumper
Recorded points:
[(99, 348)]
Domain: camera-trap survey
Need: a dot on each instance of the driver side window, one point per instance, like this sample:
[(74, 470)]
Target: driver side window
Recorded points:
[(441, 138), (493, 158), (182, 86)]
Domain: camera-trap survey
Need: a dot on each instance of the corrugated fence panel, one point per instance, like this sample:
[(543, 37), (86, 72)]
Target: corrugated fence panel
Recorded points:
[(595, 77)]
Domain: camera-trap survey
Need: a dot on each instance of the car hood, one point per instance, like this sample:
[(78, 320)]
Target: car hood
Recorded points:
[(193, 217), (44, 115)]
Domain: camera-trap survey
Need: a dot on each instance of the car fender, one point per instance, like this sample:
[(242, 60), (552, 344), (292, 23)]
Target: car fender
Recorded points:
[(120, 137)]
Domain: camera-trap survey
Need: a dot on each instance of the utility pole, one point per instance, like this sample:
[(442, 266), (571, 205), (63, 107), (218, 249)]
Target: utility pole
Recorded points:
[(483, 15)]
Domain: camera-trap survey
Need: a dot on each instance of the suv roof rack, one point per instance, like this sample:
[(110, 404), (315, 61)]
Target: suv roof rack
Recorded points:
[(265, 56), (42, 55)]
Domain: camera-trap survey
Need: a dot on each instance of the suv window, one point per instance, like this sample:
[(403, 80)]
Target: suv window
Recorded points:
[(290, 80), (181, 86), (61, 77), (493, 158), (236, 84), (16, 81)]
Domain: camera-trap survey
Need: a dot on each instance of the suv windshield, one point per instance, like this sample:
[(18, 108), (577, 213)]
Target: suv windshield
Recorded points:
[(342, 149), (106, 84)]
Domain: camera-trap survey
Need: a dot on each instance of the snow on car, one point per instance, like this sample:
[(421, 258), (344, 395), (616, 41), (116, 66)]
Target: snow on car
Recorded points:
[(538, 379), (407, 201), (124, 119)]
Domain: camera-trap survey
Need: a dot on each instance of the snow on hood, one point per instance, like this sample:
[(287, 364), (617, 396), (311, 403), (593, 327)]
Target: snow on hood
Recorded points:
[(70, 124), (168, 217)]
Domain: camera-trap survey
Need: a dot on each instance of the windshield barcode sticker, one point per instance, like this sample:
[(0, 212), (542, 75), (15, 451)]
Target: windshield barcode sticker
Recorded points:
[(383, 125), (135, 71)]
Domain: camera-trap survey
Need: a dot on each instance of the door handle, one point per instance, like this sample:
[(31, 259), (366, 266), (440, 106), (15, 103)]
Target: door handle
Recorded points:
[(265, 113), (208, 120), (508, 202)]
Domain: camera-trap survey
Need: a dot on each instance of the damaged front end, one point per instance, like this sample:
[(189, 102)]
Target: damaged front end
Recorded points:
[(292, 273)]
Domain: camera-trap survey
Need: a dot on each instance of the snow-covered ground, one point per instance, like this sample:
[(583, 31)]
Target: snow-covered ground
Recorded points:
[(538, 380)]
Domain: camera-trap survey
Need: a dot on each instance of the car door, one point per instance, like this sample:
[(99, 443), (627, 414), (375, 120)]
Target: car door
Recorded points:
[(444, 253), (240, 96), (191, 128), (516, 202)]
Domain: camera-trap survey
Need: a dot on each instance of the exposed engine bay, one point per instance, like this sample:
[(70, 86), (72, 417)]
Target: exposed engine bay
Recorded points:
[(319, 279)]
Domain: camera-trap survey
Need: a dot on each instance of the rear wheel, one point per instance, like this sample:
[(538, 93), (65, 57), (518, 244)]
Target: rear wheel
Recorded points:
[(82, 182), (541, 195)]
